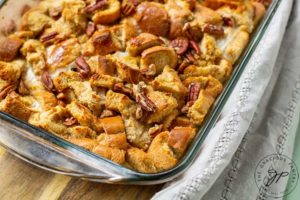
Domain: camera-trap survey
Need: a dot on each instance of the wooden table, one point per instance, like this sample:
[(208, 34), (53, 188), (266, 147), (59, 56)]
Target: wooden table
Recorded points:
[(21, 181)]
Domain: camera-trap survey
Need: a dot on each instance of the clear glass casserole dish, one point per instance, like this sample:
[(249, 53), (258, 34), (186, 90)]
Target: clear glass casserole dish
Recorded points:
[(55, 154)]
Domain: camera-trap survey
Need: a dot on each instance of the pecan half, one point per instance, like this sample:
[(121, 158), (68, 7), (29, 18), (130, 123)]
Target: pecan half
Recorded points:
[(228, 21), (6, 90), (49, 37), (82, 66), (212, 29), (192, 32), (90, 29), (97, 6), (70, 121), (194, 90), (195, 47), (145, 102), (120, 87), (47, 81), (180, 44)]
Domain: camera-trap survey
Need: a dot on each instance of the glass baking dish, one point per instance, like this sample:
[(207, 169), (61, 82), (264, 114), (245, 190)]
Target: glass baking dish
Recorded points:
[(55, 154)]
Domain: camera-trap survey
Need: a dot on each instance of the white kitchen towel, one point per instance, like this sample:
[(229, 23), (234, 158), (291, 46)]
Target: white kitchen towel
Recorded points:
[(254, 123)]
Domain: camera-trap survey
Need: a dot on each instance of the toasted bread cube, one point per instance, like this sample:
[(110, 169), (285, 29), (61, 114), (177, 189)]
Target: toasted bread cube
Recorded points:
[(103, 80), (169, 81), (165, 105), (81, 132), (117, 140), (51, 120), (140, 160), (11, 72), (160, 152), (9, 49), (113, 125), (86, 143), (86, 96), (16, 106), (84, 116), (64, 80), (114, 154), (179, 138), (137, 133), (120, 102)]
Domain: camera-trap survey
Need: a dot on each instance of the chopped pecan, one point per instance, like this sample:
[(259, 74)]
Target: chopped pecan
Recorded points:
[(128, 8), (142, 99), (47, 81), (70, 121), (195, 46), (9, 49), (183, 65), (145, 102), (180, 44), (6, 90), (55, 13), (194, 90), (228, 21), (49, 37), (120, 87), (82, 66), (192, 32), (90, 29), (212, 29), (97, 6)]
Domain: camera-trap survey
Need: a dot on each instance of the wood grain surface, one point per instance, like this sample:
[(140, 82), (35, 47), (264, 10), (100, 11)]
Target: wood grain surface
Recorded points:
[(22, 181)]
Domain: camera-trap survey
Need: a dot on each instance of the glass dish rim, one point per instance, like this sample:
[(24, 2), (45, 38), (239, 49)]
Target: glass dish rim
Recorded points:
[(203, 131)]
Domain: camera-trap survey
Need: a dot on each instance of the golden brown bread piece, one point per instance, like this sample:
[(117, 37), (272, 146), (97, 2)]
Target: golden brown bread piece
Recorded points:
[(16, 106), (110, 14), (84, 116), (9, 49), (143, 41), (117, 140), (149, 15), (113, 125), (113, 154), (131, 82), (86, 143), (159, 57)]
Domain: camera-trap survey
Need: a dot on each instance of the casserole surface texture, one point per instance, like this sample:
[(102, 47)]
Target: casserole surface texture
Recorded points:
[(129, 80)]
